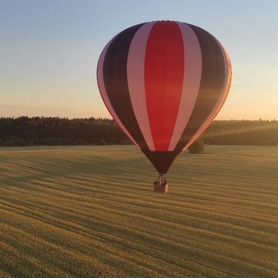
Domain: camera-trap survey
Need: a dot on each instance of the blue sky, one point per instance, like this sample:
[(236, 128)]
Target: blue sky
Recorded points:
[(49, 51)]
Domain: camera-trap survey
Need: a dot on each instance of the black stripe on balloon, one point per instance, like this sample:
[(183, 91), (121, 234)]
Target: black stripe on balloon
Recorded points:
[(115, 80), (212, 82)]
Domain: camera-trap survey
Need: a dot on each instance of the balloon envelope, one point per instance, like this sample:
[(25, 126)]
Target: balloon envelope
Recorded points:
[(164, 82)]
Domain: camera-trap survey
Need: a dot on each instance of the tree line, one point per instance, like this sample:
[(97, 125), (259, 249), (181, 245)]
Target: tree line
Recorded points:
[(28, 131)]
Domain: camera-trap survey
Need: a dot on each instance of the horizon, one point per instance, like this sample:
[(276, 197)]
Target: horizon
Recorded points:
[(110, 118), (49, 52)]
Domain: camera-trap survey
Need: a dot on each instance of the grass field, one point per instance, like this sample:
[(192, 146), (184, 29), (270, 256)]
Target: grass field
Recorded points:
[(92, 212)]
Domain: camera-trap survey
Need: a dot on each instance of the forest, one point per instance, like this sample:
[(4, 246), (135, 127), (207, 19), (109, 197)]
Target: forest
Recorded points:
[(29, 131)]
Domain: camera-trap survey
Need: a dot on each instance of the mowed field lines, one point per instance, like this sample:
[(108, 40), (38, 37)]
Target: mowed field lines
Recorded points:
[(92, 212)]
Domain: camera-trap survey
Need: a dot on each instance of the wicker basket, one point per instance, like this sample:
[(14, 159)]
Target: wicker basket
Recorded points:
[(161, 188)]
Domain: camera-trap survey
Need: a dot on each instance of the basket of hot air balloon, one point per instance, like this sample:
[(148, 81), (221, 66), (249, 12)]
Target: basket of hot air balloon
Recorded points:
[(164, 82)]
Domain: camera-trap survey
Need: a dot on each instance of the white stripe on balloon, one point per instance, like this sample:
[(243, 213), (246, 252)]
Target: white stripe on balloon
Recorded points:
[(136, 81), (221, 99)]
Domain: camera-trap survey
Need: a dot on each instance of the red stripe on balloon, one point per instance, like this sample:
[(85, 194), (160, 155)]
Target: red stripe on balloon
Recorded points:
[(164, 71)]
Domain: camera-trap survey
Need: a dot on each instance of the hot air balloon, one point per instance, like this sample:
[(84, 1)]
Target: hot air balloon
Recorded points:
[(163, 82)]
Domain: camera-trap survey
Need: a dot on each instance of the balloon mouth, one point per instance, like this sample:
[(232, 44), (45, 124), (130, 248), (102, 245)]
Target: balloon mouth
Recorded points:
[(160, 160)]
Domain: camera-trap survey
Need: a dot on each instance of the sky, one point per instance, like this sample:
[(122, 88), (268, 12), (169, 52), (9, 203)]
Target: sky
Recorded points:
[(49, 51)]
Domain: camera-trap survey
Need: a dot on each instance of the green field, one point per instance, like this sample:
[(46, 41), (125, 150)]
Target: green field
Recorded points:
[(92, 212)]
